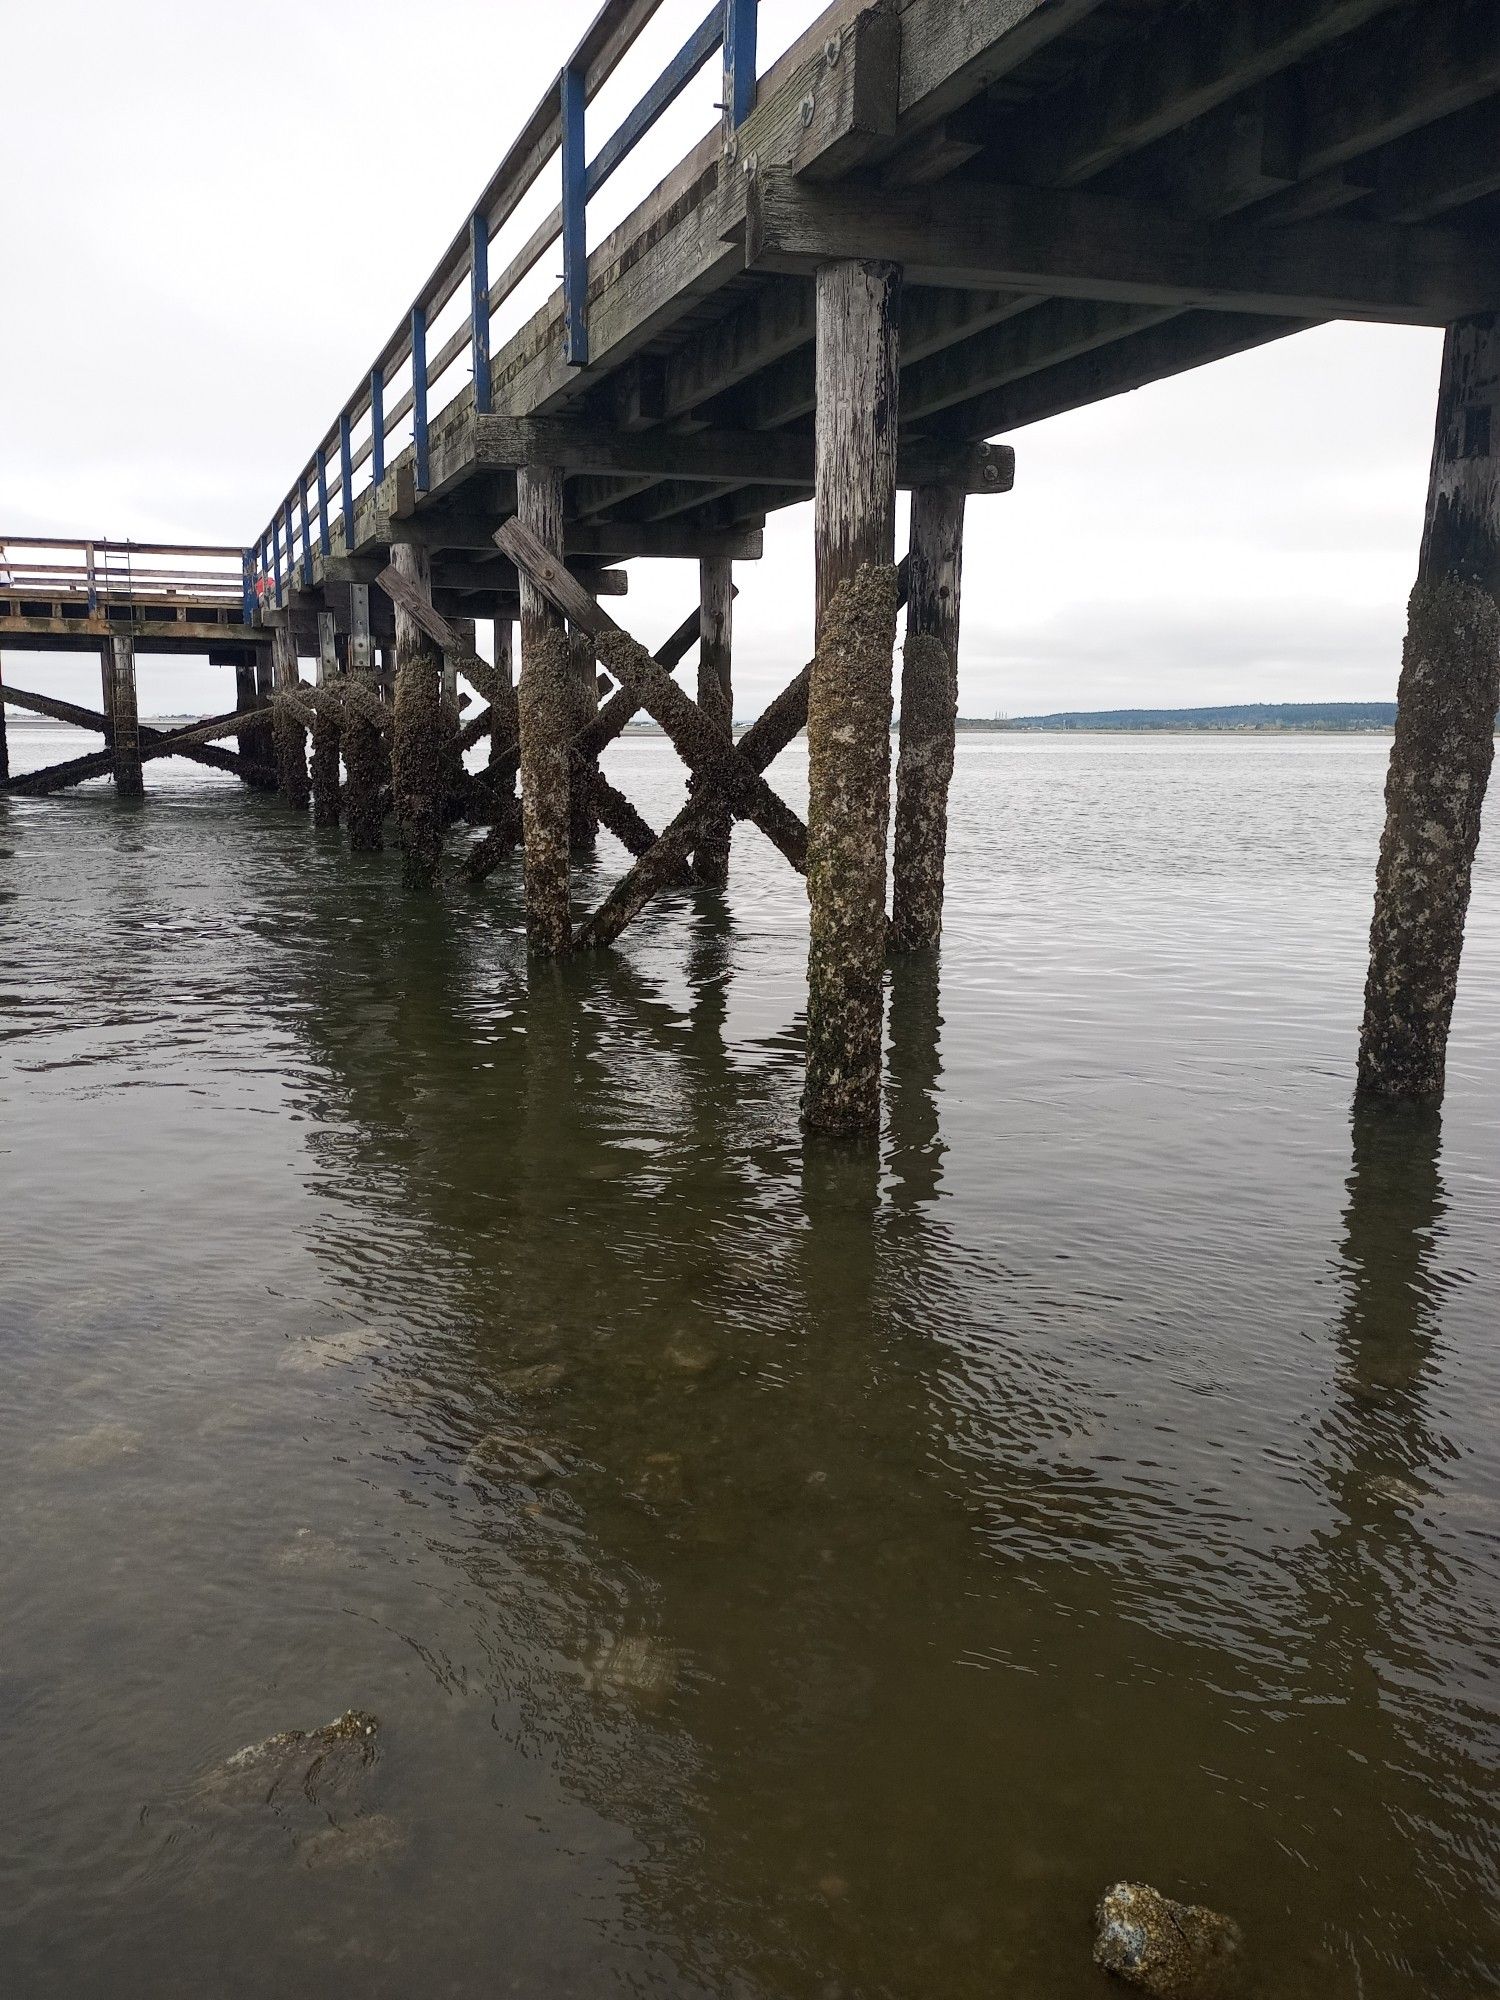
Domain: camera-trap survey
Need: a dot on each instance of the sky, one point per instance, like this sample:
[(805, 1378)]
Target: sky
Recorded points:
[(215, 218)]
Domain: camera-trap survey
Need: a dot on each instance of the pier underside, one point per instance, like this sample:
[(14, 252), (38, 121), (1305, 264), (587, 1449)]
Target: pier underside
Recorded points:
[(929, 224)]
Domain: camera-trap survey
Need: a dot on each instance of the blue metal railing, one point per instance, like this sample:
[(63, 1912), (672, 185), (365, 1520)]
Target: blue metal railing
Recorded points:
[(282, 554)]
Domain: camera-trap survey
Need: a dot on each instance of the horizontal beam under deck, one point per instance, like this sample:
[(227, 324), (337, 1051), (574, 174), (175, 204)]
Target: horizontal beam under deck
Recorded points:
[(149, 635)]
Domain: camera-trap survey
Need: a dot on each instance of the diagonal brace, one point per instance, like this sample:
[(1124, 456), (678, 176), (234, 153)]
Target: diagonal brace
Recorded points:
[(712, 757)]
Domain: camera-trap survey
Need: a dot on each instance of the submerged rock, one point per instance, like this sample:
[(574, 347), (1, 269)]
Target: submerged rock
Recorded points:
[(637, 1666), (314, 1761), (513, 1458), (535, 1378), (354, 1844), (1174, 1951), (102, 1444)]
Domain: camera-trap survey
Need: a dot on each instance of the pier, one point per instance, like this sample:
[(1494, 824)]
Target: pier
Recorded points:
[(925, 226)]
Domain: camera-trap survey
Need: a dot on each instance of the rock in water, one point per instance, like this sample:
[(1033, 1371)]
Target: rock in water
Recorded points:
[(312, 1761), (1174, 1951)]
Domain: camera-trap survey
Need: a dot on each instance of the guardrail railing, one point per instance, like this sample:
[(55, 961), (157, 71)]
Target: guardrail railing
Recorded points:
[(100, 573), (284, 552)]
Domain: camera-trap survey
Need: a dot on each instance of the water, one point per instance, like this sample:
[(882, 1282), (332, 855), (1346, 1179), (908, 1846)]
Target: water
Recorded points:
[(776, 1572)]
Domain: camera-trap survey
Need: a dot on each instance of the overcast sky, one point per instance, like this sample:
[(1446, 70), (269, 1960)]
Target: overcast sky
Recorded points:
[(214, 218)]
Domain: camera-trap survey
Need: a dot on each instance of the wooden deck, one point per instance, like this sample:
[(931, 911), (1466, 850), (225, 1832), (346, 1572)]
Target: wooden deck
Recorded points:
[(1086, 195), (72, 596)]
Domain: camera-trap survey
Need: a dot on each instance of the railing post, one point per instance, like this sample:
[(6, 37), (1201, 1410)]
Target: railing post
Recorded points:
[(307, 575), (276, 554), (322, 502), (377, 426), (247, 584), (479, 309), (419, 392), (93, 585), (346, 482), (575, 244), (739, 60)]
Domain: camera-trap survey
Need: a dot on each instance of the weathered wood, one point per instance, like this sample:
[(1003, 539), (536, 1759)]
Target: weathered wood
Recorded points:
[(929, 710), (545, 707), (419, 775), (504, 717), (289, 731), (716, 699), (1083, 245), (665, 863), (769, 457), (849, 697), (326, 730), (1445, 728), (4, 734), (193, 740), (700, 746), (583, 814), (125, 742)]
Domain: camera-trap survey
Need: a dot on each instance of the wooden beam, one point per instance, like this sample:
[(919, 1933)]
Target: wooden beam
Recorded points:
[(1186, 65), (767, 457), (1089, 246), (849, 700), (545, 715), (951, 53), (716, 699), (693, 736)]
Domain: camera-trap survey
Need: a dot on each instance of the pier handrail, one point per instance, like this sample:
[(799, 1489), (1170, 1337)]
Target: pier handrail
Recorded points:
[(103, 571), (284, 548)]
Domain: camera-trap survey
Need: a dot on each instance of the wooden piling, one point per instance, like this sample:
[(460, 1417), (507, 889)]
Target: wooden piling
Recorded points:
[(289, 733), (4, 737), (325, 731), (366, 762), (545, 702), (849, 698), (583, 818), (125, 741), (929, 714), (504, 764), (716, 698), (418, 772), (1445, 729)]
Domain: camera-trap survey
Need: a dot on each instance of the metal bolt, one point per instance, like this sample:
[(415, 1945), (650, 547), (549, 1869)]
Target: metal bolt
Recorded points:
[(832, 49), (808, 108), (732, 148)]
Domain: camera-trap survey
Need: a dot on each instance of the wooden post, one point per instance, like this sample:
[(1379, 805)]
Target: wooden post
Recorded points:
[(450, 721), (289, 734), (545, 701), (1445, 735), (418, 775), (4, 738), (503, 763), (929, 712), (125, 741), (255, 740), (849, 698), (325, 731), (365, 760), (716, 697), (583, 820)]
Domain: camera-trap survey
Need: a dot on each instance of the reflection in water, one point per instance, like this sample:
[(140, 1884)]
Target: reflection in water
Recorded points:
[(780, 1570)]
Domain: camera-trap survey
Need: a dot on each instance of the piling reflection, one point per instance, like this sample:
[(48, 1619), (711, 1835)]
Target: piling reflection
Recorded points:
[(782, 1528)]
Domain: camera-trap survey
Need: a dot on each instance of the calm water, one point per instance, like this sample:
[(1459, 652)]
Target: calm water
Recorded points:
[(777, 1573)]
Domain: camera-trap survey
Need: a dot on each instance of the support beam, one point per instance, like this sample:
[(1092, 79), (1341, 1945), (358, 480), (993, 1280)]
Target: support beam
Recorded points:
[(701, 747), (504, 763), (716, 699), (289, 732), (125, 741), (1082, 245), (545, 708), (929, 711), (325, 732), (4, 735), (772, 458), (849, 699), (583, 814), (1445, 729), (419, 779)]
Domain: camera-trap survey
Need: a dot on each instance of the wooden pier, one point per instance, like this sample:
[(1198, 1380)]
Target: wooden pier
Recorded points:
[(926, 225)]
